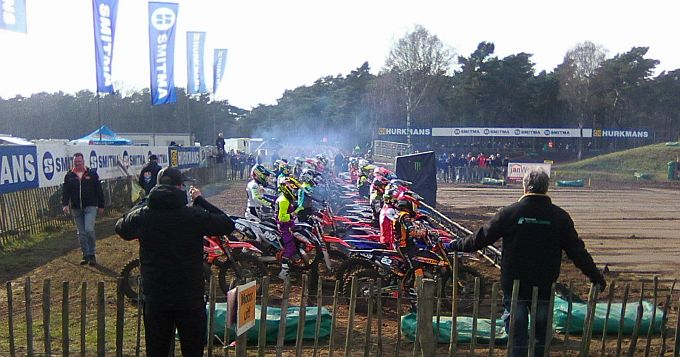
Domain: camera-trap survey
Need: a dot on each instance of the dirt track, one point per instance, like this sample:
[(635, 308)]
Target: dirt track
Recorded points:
[(631, 230)]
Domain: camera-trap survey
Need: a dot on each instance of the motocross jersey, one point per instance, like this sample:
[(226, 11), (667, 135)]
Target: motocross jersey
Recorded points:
[(284, 209), (305, 196), (255, 198), (387, 217), (406, 230)]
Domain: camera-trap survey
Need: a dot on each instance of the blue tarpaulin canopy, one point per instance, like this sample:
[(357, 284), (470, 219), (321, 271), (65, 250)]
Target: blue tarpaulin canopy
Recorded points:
[(102, 136)]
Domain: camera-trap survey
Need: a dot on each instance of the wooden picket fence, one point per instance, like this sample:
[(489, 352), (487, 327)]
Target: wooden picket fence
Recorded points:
[(83, 320)]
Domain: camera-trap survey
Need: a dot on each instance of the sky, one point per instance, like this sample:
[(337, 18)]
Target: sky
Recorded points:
[(283, 44)]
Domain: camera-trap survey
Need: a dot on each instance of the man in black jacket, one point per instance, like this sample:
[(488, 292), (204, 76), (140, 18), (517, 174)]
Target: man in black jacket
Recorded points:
[(149, 174), (171, 254), (82, 197), (534, 232)]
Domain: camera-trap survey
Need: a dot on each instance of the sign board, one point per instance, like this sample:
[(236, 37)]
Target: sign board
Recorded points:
[(421, 170), (622, 133), (404, 131), (184, 157), (18, 168), (514, 132), (517, 170), (245, 319)]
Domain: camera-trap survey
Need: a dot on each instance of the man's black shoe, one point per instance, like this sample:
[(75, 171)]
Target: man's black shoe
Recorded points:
[(92, 260), (84, 261)]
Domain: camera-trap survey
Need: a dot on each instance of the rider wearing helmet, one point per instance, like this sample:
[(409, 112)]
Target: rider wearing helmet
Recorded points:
[(305, 196), (364, 181), (407, 230), (297, 169), (285, 219), (388, 214), (377, 191), (255, 191), (284, 172)]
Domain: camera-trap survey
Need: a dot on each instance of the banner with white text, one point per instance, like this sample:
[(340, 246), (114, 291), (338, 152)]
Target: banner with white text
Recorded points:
[(104, 12), (514, 132), (195, 76), (184, 157), (517, 170), (13, 15), (18, 168), (219, 63), (162, 24)]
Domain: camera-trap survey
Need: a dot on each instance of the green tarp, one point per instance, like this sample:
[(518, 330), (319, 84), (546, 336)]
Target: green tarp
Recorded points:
[(572, 183), (464, 328), (579, 311), (492, 181), (273, 317)]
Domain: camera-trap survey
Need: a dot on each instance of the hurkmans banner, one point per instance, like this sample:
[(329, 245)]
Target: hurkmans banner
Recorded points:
[(13, 15), (219, 63), (18, 168), (162, 24), (104, 12), (195, 49), (184, 157)]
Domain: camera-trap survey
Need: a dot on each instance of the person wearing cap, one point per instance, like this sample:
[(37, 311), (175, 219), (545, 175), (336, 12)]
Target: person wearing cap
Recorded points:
[(149, 174), (534, 232), (82, 197), (170, 237)]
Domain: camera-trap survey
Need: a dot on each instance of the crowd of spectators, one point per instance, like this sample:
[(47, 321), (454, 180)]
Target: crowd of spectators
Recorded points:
[(469, 167)]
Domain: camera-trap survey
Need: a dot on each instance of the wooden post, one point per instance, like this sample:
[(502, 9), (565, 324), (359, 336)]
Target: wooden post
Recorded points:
[(513, 315), (588, 331), (622, 319), (120, 317), (46, 298), (101, 320), (282, 322), (350, 321), (438, 295), (638, 320), (29, 317), (610, 297), (492, 319), (302, 314), (369, 320), (10, 319), (454, 309), (378, 288), (212, 285), (83, 318), (428, 343), (65, 312), (532, 322), (319, 306), (676, 349), (336, 292), (416, 341), (570, 306), (138, 336), (262, 333), (549, 322), (664, 320), (650, 330), (397, 348), (475, 315)]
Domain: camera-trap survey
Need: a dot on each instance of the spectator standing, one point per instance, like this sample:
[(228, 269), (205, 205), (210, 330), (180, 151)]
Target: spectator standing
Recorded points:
[(219, 142), (171, 254), (82, 197), (534, 232), (149, 174)]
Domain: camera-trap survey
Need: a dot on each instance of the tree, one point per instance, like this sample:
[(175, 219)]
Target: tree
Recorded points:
[(416, 61), (576, 75)]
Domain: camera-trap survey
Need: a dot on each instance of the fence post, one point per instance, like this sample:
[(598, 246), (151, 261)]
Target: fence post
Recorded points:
[(10, 319), (101, 320), (262, 333), (638, 319), (677, 336), (138, 335), (513, 315), (83, 317), (369, 320), (379, 306), (46, 298), (416, 341), (120, 317), (65, 312), (587, 333), (350, 321), (29, 317), (397, 348), (211, 315), (532, 324), (428, 344), (610, 297), (454, 308), (336, 291), (570, 306), (302, 314), (664, 319), (622, 319), (549, 322), (651, 324), (282, 322), (319, 305), (475, 315), (492, 318)]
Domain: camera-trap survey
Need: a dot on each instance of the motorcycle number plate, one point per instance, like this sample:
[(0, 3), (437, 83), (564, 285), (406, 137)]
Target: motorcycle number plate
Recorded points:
[(270, 236), (366, 255), (386, 261), (239, 227)]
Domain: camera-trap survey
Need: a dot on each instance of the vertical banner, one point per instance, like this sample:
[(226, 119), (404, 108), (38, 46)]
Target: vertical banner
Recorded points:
[(219, 63), (195, 76), (13, 15), (104, 13), (162, 21)]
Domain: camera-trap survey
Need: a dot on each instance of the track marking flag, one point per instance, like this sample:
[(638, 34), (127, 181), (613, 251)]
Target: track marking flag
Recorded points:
[(219, 63), (162, 25), (195, 49), (104, 13), (13, 15)]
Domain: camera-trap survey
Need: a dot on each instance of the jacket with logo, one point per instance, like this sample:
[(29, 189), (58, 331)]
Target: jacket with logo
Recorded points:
[(82, 192)]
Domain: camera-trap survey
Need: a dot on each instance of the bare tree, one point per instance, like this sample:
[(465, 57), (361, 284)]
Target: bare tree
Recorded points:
[(416, 61), (576, 74)]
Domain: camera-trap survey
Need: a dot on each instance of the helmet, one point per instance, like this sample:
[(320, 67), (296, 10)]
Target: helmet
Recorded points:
[(299, 160), (367, 169), (308, 175), (380, 181), (409, 201), (259, 173), (380, 171), (363, 162), (285, 169), (288, 187)]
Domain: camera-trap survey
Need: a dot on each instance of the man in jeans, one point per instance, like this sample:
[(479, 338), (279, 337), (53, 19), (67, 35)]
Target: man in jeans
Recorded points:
[(534, 232), (82, 197)]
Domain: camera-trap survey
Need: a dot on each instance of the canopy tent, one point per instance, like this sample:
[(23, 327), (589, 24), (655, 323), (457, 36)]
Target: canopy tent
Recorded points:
[(102, 136)]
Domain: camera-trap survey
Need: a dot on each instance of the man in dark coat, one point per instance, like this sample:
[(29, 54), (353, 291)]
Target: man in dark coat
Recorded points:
[(149, 174), (171, 254), (534, 232)]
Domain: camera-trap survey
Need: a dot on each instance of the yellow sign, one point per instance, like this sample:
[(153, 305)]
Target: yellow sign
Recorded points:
[(245, 302)]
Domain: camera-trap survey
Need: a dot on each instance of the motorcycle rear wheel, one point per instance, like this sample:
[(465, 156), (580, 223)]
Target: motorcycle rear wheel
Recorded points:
[(251, 269)]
